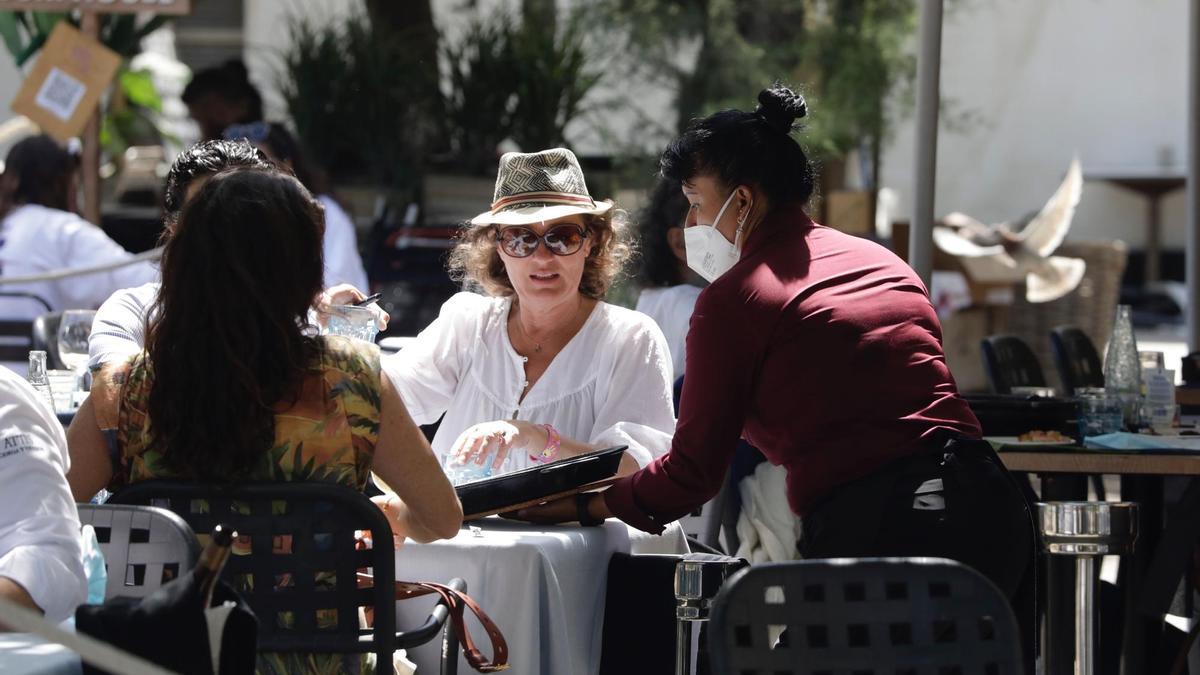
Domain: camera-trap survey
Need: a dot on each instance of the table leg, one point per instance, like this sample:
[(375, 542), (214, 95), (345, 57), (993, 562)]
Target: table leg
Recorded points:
[(1058, 627), (1141, 634)]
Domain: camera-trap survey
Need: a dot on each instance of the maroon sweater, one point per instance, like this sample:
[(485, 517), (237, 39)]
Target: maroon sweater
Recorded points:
[(821, 350)]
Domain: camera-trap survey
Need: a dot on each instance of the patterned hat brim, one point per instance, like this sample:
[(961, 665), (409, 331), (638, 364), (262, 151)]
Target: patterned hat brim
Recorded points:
[(527, 214)]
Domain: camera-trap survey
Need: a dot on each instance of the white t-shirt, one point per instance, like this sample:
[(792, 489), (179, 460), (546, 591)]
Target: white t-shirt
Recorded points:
[(671, 308), (342, 262), (610, 385), (119, 329), (36, 239), (40, 547)]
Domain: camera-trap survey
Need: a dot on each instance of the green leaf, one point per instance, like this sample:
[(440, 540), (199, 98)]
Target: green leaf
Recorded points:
[(138, 87), (30, 49), (46, 21), (11, 33)]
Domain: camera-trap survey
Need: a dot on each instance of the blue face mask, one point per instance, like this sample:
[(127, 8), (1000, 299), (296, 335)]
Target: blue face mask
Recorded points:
[(709, 253)]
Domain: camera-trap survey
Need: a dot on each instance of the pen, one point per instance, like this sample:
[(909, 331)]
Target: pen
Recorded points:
[(368, 300)]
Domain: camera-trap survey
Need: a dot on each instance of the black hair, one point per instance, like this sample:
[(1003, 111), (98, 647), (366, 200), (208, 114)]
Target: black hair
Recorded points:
[(751, 148), (205, 159), (238, 277), (229, 81), (667, 209), (284, 148), (37, 170)]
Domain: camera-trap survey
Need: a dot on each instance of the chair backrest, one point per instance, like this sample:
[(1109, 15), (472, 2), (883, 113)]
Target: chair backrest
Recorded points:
[(1009, 362), (15, 340), (1076, 359), (870, 616), (45, 337), (144, 547), (295, 556)]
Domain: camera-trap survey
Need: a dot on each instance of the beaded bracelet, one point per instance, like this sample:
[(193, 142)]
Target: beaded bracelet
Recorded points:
[(553, 445)]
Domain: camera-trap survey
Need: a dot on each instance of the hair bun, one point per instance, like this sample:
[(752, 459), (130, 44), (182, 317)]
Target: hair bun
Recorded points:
[(236, 69), (780, 107)]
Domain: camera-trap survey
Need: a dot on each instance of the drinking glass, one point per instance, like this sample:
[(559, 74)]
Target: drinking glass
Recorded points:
[(351, 321), (1099, 412), (73, 333)]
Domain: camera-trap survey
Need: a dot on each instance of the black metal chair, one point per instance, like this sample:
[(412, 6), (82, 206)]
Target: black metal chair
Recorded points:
[(16, 335), (45, 337), (870, 616), (144, 547), (1076, 359), (303, 559), (1009, 362)]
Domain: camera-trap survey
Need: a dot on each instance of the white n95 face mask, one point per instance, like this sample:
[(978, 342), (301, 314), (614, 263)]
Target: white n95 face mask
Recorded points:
[(709, 253)]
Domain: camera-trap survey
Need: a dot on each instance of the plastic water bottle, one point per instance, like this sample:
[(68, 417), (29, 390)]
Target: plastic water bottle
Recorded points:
[(38, 377), (1123, 368)]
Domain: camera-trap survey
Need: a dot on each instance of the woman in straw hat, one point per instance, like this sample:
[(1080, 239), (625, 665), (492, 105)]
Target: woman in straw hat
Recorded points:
[(540, 368)]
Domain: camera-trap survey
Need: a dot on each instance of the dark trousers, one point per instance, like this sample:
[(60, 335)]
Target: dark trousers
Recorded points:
[(976, 515)]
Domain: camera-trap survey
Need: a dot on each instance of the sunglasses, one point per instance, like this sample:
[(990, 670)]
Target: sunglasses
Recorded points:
[(255, 132), (520, 242)]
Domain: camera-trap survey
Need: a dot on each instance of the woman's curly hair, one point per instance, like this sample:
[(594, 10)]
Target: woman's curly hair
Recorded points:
[(475, 260)]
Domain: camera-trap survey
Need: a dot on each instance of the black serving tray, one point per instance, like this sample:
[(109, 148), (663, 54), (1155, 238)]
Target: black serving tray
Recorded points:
[(1013, 415), (503, 493)]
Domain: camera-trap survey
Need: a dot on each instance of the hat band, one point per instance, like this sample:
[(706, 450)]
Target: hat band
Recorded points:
[(543, 197)]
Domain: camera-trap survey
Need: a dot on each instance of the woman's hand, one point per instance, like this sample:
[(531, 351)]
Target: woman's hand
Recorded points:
[(346, 294), (503, 436)]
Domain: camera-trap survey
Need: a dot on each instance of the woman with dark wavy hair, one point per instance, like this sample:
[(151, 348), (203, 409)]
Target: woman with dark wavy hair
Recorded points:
[(234, 386)]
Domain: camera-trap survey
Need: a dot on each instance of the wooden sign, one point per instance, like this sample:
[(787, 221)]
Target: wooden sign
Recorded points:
[(64, 86), (102, 6)]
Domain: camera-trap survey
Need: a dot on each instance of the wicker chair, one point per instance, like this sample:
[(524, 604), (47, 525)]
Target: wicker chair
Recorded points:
[(1091, 307)]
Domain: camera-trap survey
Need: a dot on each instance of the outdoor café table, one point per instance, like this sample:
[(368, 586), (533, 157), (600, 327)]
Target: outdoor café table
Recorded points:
[(1164, 537), (544, 587), (25, 654)]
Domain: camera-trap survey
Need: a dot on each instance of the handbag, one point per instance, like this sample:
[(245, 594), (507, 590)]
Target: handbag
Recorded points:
[(458, 602)]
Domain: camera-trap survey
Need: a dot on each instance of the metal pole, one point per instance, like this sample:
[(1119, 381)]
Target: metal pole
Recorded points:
[(1085, 611), (683, 647), (90, 161), (929, 62), (1193, 170)]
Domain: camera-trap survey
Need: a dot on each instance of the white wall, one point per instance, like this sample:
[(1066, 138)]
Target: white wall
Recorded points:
[(1104, 78)]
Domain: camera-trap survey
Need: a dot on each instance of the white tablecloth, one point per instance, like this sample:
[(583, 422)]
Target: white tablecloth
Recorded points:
[(543, 586), (25, 654)]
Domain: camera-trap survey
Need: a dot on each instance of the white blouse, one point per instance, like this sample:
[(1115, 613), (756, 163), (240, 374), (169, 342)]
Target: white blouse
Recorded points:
[(610, 385)]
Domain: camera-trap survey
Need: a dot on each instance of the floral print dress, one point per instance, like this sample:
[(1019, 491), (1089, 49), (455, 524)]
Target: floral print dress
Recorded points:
[(327, 435)]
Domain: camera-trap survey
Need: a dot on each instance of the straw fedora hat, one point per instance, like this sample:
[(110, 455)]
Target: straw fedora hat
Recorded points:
[(539, 186)]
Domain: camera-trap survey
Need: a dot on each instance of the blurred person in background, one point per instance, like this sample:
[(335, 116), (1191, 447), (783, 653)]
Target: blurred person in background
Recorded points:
[(220, 96), (669, 288), (343, 265), (41, 555), (233, 386), (40, 232), (120, 325)]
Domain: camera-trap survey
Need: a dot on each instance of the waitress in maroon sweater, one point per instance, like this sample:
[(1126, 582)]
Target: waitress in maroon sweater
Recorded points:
[(822, 350)]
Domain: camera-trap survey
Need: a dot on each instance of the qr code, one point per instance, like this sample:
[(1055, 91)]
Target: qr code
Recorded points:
[(60, 94)]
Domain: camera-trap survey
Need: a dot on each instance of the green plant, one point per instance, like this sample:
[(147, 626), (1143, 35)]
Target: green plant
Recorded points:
[(849, 56), (553, 73), (358, 99), (481, 97)]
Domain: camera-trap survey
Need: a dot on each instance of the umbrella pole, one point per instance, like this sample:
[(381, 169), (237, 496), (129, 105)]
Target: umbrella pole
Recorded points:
[(929, 61), (1193, 169)]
